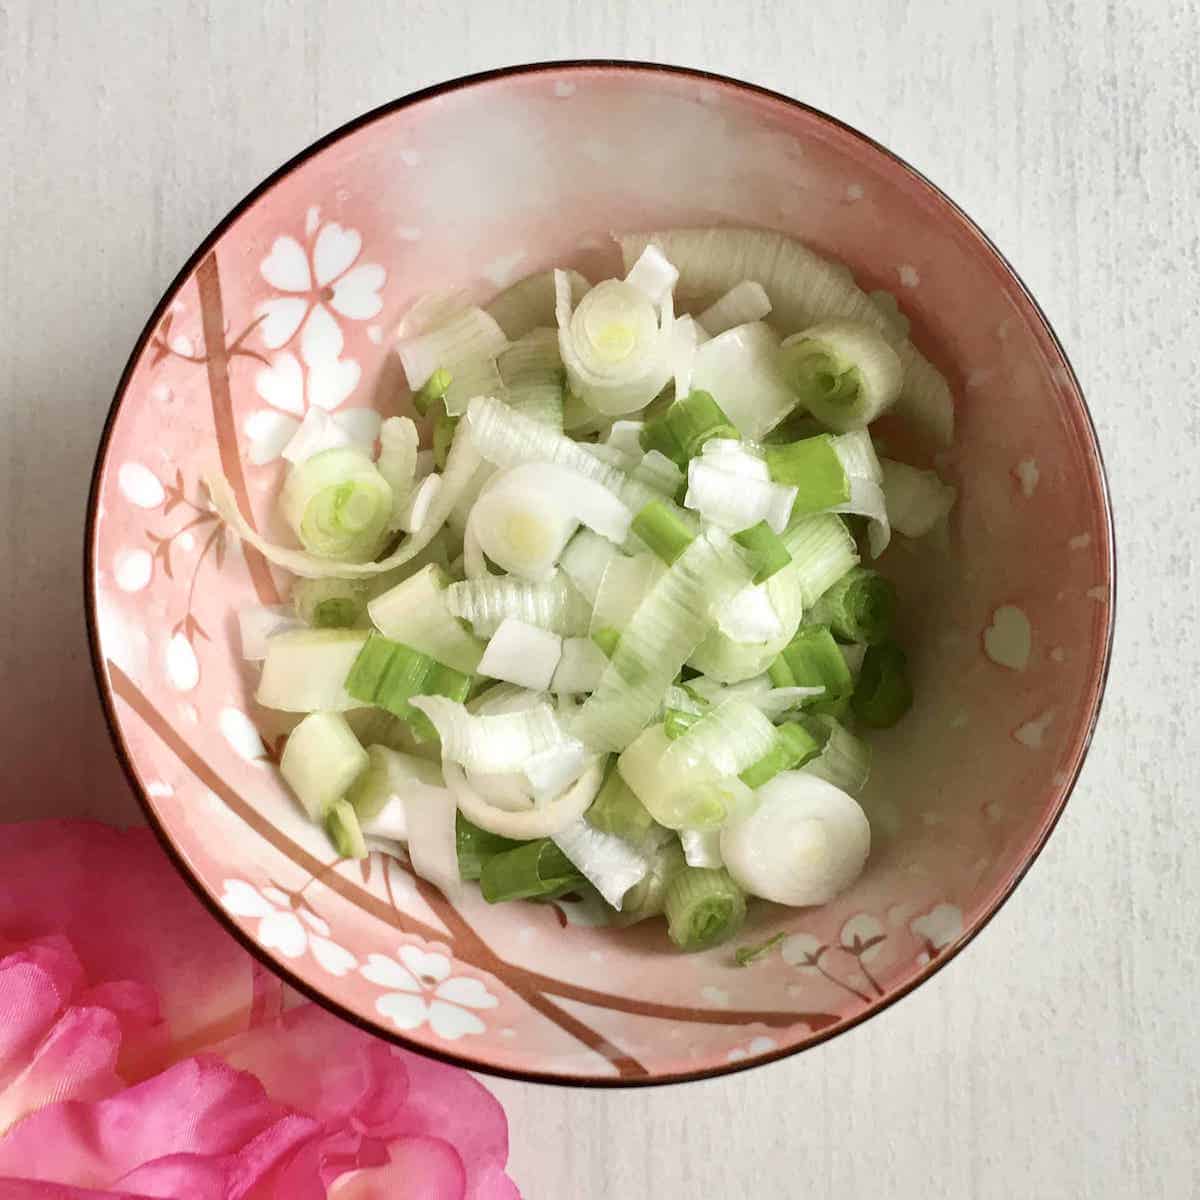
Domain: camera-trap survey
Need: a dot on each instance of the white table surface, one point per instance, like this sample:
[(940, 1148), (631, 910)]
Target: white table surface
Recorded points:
[(1059, 1056)]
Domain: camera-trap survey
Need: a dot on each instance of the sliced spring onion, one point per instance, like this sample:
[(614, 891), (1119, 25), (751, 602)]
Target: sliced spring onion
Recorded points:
[(770, 700), (686, 426), (844, 761), (677, 721), (845, 373), (390, 775), (465, 339), (618, 811), (477, 846), (330, 603), (882, 693), (338, 504), (812, 659), (390, 823), (859, 607), (257, 624), (743, 303), (733, 501), (666, 628), (616, 345), (416, 613), (584, 561), (493, 742), (625, 437), (686, 335), (813, 467), (318, 431), (657, 471), (729, 661), (432, 838), (854, 653), (653, 275), (889, 308), (304, 669), (460, 470), (397, 463), (609, 863), (580, 667), (742, 368), (663, 529), (916, 500), (522, 654), (472, 377), (647, 898), (532, 374), (536, 871), (804, 289), (750, 617), (822, 551), (704, 907), (433, 391), (701, 849), (544, 821), (794, 746), (390, 674), (529, 303), (627, 580), (553, 604), (420, 503), (805, 843), (342, 826), (747, 954), (765, 549), (321, 761)]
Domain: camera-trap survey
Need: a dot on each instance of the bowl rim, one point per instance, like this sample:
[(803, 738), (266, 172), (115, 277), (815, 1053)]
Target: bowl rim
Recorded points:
[(1092, 449)]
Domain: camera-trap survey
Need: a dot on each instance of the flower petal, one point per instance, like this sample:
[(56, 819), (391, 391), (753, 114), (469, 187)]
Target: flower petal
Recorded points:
[(335, 249), (242, 900), (798, 949), (282, 931), (281, 384), (405, 1011), (281, 318), (332, 957), (321, 341), (329, 383), (268, 432), (464, 990), (356, 294), (419, 1168), (425, 964), (310, 918), (362, 424), (451, 1022), (384, 971), (286, 267)]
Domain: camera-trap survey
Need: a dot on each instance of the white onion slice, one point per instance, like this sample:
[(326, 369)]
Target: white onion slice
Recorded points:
[(521, 654)]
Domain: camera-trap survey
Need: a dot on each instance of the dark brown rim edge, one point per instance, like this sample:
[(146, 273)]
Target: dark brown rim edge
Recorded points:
[(107, 700)]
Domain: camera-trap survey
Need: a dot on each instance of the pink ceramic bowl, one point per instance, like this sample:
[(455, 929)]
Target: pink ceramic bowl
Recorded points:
[(290, 302)]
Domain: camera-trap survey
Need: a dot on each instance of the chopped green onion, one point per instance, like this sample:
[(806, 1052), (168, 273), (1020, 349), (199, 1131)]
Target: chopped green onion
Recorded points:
[(681, 432), (648, 897), (330, 603), (743, 303), (444, 427), (626, 581), (416, 612), (390, 774), (338, 504), (859, 607), (535, 871), (607, 639), (528, 305), (676, 722), (747, 954), (813, 468), (397, 462), (822, 551), (883, 693), (767, 551), (432, 391), (663, 530), (477, 847), (844, 761), (389, 674), (704, 907), (533, 377), (617, 810), (341, 824), (742, 367), (606, 860), (304, 670), (321, 761), (916, 500), (812, 659), (794, 746)]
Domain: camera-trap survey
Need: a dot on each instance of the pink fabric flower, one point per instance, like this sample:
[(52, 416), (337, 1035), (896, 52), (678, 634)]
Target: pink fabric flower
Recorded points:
[(112, 977)]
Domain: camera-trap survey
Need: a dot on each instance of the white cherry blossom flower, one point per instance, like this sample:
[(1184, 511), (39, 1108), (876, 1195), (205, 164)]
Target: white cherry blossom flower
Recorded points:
[(422, 989)]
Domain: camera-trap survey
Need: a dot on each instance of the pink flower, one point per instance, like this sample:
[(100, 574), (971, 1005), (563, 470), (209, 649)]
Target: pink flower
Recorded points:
[(142, 1053)]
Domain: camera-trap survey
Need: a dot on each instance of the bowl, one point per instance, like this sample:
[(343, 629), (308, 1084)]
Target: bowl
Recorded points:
[(290, 302)]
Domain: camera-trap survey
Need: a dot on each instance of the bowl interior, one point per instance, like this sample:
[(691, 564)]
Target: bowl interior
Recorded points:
[(292, 303)]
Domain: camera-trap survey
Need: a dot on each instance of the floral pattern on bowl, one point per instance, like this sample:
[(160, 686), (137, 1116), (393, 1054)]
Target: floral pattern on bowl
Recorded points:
[(292, 303)]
